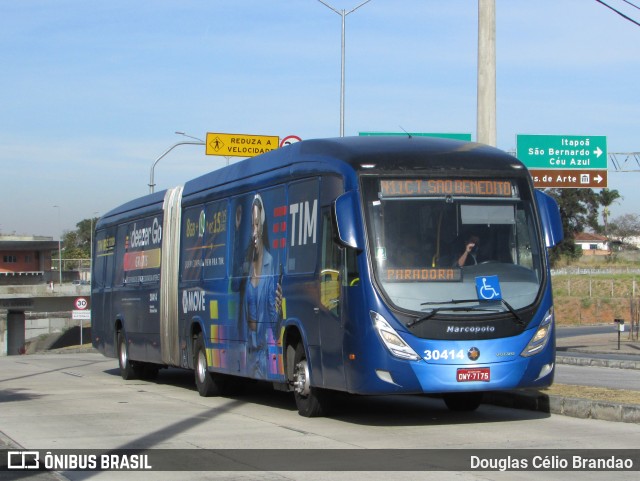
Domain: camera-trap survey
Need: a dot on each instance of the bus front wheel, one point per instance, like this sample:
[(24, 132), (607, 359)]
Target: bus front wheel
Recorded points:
[(310, 401), (204, 380)]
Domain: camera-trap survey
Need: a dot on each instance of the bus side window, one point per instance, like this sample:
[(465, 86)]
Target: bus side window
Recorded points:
[(331, 267), (353, 275)]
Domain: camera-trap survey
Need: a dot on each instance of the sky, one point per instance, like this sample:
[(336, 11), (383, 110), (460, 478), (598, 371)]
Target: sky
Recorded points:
[(93, 92)]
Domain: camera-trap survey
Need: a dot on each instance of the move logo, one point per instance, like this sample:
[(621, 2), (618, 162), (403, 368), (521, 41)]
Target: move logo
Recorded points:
[(193, 301)]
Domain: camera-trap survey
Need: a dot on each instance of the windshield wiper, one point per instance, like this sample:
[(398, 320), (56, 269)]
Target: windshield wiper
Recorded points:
[(435, 310), (519, 320), (478, 307)]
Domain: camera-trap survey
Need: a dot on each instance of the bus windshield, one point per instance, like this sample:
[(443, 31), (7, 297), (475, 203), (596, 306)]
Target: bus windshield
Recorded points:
[(447, 245)]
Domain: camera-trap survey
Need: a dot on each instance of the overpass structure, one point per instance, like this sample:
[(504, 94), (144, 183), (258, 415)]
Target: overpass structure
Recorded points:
[(16, 302)]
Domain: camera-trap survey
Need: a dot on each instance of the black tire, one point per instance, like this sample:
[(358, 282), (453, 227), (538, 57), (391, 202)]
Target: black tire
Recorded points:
[(310, 401), (463, 401), (204, 380), (126, 367)]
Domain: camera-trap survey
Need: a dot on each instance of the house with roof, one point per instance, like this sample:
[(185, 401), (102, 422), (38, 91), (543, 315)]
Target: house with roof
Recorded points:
[(592, 244)]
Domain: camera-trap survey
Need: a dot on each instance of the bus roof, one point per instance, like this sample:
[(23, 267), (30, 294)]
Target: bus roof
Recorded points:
[(342, 155), (376, 154)]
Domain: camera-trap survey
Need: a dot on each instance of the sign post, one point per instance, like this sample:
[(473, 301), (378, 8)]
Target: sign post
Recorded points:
[(565, 161), (80, 312)]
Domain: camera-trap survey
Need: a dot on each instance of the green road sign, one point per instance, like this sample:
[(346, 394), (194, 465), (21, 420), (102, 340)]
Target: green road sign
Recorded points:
[(562, 151), (466, 137)]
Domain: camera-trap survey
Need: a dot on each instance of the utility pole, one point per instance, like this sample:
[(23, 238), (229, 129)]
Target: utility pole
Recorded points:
[(486, 120)]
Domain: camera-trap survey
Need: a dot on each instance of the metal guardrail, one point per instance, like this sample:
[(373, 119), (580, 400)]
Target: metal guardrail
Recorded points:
[(598, 271), (45, 290)]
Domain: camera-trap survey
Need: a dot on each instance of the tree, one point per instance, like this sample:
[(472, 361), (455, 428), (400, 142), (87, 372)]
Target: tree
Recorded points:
[(578, 210), (625, 226), (77, 243), (606, 198)]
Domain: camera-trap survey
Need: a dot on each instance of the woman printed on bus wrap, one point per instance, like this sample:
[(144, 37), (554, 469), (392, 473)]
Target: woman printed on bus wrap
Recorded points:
[(262, 303)]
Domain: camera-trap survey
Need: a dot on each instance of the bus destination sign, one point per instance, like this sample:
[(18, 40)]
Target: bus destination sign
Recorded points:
[(440, 187)]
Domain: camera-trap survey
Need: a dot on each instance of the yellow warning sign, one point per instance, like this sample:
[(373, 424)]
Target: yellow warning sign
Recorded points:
[(240, 145)]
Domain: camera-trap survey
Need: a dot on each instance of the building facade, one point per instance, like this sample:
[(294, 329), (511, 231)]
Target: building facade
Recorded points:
[(25, 259)]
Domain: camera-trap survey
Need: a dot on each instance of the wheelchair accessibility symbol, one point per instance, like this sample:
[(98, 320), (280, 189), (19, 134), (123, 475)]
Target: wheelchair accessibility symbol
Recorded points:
[(488, 288)]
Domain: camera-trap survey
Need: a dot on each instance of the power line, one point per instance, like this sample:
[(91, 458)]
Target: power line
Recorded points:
[(629, 3), (619, 12)]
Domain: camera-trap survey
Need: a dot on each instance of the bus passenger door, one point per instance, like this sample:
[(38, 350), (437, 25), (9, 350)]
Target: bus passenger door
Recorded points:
[(329, 312)]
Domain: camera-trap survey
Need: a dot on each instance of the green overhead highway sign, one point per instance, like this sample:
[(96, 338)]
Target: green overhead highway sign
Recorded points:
[(562, 151)]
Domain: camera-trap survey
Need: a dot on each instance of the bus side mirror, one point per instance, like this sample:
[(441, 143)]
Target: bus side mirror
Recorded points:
[(345, 209), (550, 218)]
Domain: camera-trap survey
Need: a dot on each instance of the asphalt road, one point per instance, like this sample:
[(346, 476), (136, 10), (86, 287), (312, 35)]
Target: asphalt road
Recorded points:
[(79, 401), (599, 377), (574, 331)]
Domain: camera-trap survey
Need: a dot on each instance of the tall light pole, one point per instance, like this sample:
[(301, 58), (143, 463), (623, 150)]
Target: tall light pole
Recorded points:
[(153, 166), (91, 247), (343, 13), (59, 245)]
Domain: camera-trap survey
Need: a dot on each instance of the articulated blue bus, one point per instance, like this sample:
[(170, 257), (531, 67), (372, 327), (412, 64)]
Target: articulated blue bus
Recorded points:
[(367, 265)]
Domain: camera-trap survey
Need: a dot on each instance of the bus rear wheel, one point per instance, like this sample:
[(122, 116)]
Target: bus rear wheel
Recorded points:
[(126, 368), (310, 401), (463, 401)]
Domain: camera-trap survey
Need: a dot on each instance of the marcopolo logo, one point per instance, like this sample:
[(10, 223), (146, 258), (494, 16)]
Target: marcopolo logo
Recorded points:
[(470, 329)]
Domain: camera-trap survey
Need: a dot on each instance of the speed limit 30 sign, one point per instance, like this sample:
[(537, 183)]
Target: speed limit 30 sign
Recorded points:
[(81, 303)]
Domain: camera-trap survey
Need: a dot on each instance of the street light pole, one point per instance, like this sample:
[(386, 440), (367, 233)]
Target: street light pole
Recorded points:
[(153, 166), (59, 245), (187, 135), (343, 13)]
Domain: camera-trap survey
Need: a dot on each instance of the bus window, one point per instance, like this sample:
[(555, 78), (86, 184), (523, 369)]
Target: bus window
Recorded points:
[(215, 240), (302, 226), (193, 230), (331, 266), (103, 264), (122, 239)]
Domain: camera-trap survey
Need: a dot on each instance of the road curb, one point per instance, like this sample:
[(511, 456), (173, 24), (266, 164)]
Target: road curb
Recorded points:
[(597, 362), (567, 406)]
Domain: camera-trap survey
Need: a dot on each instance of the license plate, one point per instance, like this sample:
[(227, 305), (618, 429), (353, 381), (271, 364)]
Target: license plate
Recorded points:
[(473, 374)]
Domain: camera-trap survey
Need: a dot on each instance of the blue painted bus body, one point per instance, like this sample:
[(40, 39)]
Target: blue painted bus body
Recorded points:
[(346, 248)]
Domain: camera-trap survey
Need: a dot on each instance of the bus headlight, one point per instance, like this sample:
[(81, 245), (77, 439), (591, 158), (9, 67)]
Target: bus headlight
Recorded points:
[(390, 338), (541, 337)]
